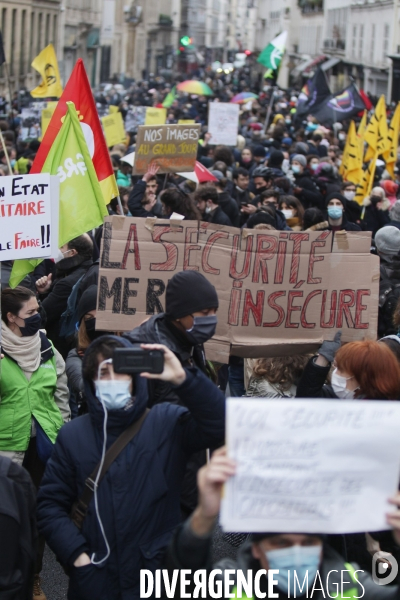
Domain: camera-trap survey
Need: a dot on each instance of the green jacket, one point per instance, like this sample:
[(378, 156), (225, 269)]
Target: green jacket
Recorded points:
[(20, 400)]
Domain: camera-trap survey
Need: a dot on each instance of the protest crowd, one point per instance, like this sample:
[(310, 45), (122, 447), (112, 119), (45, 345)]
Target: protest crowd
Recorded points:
[(113, 445)]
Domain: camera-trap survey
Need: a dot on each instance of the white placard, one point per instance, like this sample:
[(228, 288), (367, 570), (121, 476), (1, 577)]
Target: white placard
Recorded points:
[(29, 206), (311, 466), (223, 120)]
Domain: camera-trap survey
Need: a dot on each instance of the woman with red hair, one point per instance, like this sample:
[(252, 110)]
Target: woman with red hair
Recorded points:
[(364, 369)]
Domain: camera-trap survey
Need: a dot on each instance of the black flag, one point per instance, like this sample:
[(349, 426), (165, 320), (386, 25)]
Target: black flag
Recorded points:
[(2, 55), (339, 107), (315, 92)]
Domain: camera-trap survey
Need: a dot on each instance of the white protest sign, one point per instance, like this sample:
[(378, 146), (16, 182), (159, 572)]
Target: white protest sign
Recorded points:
[(29, 216), (311, 466), (223, 119)]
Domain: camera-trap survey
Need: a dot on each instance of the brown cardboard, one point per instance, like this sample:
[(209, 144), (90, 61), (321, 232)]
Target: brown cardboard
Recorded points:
[(275, 288), (172, 147)]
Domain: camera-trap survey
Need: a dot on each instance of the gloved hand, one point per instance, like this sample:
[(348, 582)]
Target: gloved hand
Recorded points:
[(329, 348)]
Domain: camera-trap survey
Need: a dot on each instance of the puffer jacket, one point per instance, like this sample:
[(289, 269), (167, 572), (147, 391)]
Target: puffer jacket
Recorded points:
[(138, 499), (373, 218)]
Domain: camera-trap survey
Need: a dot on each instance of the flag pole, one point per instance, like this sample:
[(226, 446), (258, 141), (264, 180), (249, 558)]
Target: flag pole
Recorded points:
[(267, 118), (5, 152), (120, 205)]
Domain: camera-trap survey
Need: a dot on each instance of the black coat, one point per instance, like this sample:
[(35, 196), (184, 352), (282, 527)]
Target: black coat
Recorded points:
[(218, 217), (230, 207), (55, 302), (309, 195), (138, 498), (312, 383)]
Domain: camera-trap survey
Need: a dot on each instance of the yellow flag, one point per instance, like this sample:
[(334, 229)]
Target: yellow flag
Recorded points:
[(114, 131), (376, 134), (390, 155), (46, 64), (155, 116), (47, 113), (365, 184), (351, 166)]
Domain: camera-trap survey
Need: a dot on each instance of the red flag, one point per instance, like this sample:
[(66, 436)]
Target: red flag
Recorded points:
[(78, 91)]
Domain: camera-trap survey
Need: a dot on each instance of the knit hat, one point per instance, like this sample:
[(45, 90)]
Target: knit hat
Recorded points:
[(88, 302), (218, 174), (300, 159), (390, 187), (301, 148), (260, 217), (336, 196), (259, 151), (275, 159), (189, 292), (387, 240), (395, 211), (287, 141)]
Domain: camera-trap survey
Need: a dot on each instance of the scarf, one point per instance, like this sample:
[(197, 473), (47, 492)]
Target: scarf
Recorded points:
[(26, 350)]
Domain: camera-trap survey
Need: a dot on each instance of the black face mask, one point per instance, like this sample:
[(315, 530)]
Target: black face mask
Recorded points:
[(375, 200), (32, 325), (90, 325), (203, 329)]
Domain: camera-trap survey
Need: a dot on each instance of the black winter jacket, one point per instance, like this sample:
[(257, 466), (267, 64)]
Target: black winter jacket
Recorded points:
[(138, 498), (310, 194), (312, 383)]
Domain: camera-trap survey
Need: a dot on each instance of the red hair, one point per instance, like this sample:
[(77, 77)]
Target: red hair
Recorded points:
[(374, 366)]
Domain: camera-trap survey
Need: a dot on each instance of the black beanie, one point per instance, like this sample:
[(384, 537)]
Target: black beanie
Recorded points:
[(189, 292), (336, 196), (276, 159), (262, 217), (87, 302)]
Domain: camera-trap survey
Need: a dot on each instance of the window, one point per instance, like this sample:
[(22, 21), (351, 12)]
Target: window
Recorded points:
[(31, 40), (386, 34), (354, 42), (23, 43), (372, 43), (12, 53), (54, 37), (337, 21), (39, 40), (360, 42), (4, 33), (47, 32)]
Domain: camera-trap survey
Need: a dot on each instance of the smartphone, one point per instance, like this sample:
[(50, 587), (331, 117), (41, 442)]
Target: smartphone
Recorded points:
[(137, 360)]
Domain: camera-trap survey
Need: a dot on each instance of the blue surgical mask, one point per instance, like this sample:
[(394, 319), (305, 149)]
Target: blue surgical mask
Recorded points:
[(314, 166), (296, 168), (335, 212), (302, 560), (113, 393), (202, 330)]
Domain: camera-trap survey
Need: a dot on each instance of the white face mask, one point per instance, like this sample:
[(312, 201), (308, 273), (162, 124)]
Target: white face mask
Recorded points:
[(208, 210), (60, 256), (287, 213), (339, 386), (285, 165), (349, 195)]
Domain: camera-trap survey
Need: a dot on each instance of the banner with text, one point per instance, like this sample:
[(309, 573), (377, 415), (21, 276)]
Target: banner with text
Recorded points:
[(280, 292), (29, 216), (223, 121), (172, 147)]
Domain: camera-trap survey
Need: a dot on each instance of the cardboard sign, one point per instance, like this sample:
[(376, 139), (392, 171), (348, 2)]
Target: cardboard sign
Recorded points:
[(29, 216), (223, 121), (114, 131), (280, 292), (315, 466), (155, 116), (172, 147)]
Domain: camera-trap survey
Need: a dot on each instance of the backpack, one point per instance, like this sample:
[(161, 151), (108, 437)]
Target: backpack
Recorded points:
[(69, 317), (18, 537), (389, 295)]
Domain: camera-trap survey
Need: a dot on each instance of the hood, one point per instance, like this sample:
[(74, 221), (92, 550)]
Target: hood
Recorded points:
[(118, 420)]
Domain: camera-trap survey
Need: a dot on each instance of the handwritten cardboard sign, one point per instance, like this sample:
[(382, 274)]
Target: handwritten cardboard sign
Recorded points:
[(29, 216), (223, 121), (314, 466), (280, 292), (172, 147)]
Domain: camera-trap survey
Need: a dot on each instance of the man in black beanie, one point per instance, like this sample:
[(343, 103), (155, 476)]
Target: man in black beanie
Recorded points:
[(189, 320)]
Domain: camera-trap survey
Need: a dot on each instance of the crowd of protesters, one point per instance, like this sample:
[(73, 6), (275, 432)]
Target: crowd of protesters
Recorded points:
[(63, 405)]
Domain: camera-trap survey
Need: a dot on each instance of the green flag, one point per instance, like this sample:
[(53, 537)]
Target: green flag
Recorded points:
[(82, 205), (272, 55), (169, 98)]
